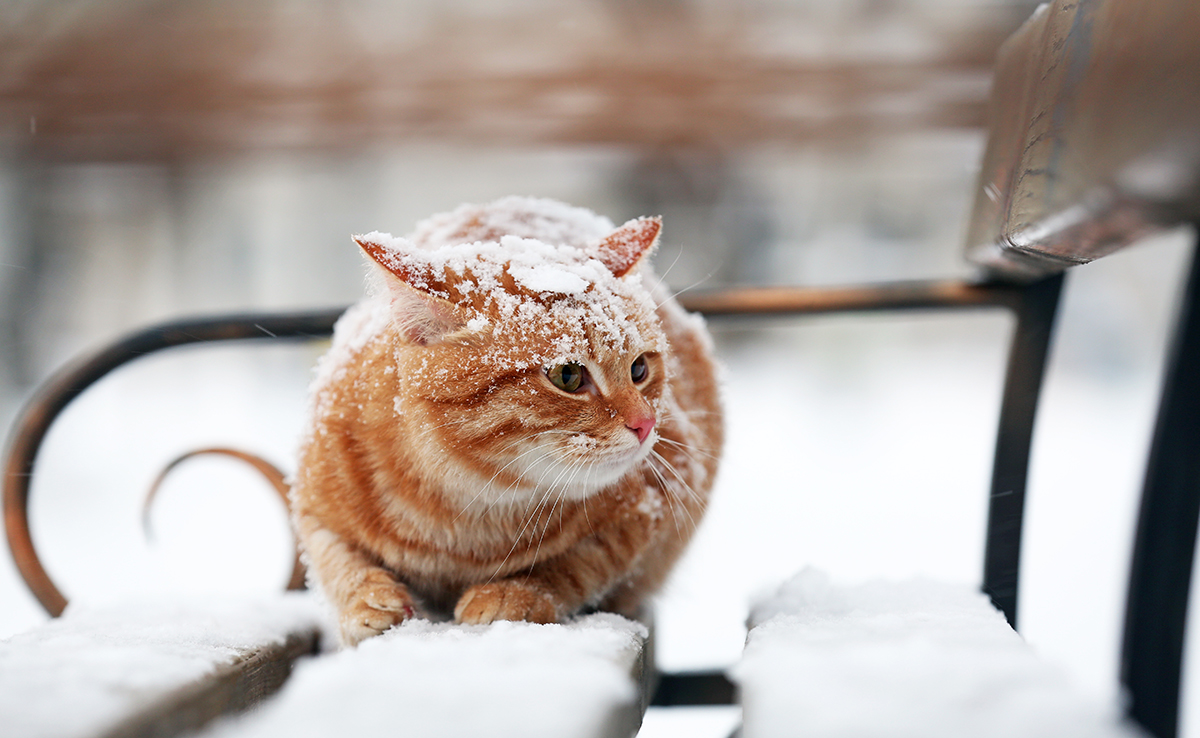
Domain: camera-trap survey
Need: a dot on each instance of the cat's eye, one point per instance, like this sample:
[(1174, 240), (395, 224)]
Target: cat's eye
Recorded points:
[(567, 377), (640, 370)]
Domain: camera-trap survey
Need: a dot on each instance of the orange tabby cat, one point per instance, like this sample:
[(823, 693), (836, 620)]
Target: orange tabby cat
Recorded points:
[(518, 424)]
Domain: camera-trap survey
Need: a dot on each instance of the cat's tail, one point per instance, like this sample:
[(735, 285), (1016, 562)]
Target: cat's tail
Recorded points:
[(264, 467)]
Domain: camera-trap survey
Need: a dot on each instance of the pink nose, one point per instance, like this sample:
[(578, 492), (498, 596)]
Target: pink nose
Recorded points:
[(641, 426)]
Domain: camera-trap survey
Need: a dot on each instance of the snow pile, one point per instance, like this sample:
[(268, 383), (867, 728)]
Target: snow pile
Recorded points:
[(504, 679), (549, 278), (86, 672), (901, 659)]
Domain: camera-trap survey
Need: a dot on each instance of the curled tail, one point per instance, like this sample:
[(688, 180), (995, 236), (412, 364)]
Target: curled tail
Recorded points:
[(264, 467)]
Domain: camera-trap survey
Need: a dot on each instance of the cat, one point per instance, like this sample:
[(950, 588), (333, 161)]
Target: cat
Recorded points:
[(517, 423)]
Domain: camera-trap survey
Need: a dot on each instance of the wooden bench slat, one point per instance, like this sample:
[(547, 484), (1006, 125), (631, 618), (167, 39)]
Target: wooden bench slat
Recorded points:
[(150, 669), (893, 660), (585, 678)]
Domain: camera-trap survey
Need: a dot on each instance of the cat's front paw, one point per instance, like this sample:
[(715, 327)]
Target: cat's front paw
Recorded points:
[(378, 604), (504, 600)]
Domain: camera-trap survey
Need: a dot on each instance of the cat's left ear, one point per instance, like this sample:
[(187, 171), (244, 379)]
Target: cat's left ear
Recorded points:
[(625, 248)]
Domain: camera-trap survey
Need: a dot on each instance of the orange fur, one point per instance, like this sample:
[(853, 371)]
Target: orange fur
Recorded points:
[(445, 474)]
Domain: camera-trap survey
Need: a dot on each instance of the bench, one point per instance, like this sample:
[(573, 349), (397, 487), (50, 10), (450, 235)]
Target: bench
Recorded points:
[(1093, 143)]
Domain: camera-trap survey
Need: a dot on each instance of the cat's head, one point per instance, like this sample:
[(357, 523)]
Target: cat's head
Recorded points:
[(539, 368)]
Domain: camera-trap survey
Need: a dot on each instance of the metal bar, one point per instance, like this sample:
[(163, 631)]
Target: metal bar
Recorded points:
[(53, 396), (1018, 409), (780, 301), (1034, 306), (1165, 542), (694, 688)]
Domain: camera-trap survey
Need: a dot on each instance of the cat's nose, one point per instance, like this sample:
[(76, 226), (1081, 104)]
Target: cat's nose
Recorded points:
[(641, 425)]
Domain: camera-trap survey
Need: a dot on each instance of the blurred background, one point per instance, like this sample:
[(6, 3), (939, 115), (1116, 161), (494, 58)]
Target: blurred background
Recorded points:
[(162, 158)]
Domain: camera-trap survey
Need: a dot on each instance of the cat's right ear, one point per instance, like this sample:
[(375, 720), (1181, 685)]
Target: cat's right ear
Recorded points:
[(421, 317)]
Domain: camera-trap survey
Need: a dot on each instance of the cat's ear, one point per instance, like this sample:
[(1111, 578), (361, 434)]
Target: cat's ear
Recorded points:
[(421, 317), (625, 248)]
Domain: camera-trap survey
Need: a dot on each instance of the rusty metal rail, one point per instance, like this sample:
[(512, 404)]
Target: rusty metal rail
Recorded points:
[(68, 383)]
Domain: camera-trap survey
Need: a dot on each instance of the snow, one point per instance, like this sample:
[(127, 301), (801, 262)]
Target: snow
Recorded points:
[(707, 721), (574, 295), (549, 278), (85, 672), (420, 678), (895, 659)]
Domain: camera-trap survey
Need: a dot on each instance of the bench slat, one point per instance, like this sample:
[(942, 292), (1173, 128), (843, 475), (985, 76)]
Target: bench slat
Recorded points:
[(894, 660), (582, 679), (149, 669)]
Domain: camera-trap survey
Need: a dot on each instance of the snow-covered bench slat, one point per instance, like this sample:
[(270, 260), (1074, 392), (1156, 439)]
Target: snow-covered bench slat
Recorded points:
[(149, 669), (916, 659), (585, 678)]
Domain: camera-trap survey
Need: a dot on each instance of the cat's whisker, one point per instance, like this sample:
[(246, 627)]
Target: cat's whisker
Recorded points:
[(521, 476), (448, 423), (687, 414), (691, 286), (667, 272), (587, 479), (674, 504), (549, 496), (549, 490), (500, 471), (666, 495), (548, 452), (682, 483), (675, 472), (520, 534), (550, 516), (686, 449)]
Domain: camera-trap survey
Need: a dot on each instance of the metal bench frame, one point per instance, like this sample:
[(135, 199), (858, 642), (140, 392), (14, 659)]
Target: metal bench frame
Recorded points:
[(1162, 560), (1160, 576), (1032, 305)]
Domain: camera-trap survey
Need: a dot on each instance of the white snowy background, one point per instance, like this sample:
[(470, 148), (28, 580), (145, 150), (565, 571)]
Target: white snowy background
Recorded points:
[(860, 445)]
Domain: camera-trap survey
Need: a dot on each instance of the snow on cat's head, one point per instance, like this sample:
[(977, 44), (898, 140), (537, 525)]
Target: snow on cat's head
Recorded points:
[(553, 350), (521, 301)]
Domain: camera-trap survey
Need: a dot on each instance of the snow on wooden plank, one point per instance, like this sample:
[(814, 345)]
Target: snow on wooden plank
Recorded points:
[(149, 668), (506, 679), (902, 659)]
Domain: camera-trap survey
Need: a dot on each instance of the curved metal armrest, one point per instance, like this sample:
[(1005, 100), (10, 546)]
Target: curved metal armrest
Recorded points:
[(68, 383)]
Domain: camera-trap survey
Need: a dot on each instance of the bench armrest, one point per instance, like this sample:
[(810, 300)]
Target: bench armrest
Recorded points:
[(1094, 134)]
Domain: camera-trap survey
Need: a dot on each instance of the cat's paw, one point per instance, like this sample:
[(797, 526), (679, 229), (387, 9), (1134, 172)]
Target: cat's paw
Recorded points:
[(378, 604), (504, 600)]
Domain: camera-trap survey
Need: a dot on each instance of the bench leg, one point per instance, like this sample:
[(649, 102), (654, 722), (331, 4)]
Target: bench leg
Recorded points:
[(1164, 547), (1035, 311)]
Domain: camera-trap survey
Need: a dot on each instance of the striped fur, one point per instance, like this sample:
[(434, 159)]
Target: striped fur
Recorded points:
[(445, 475)]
